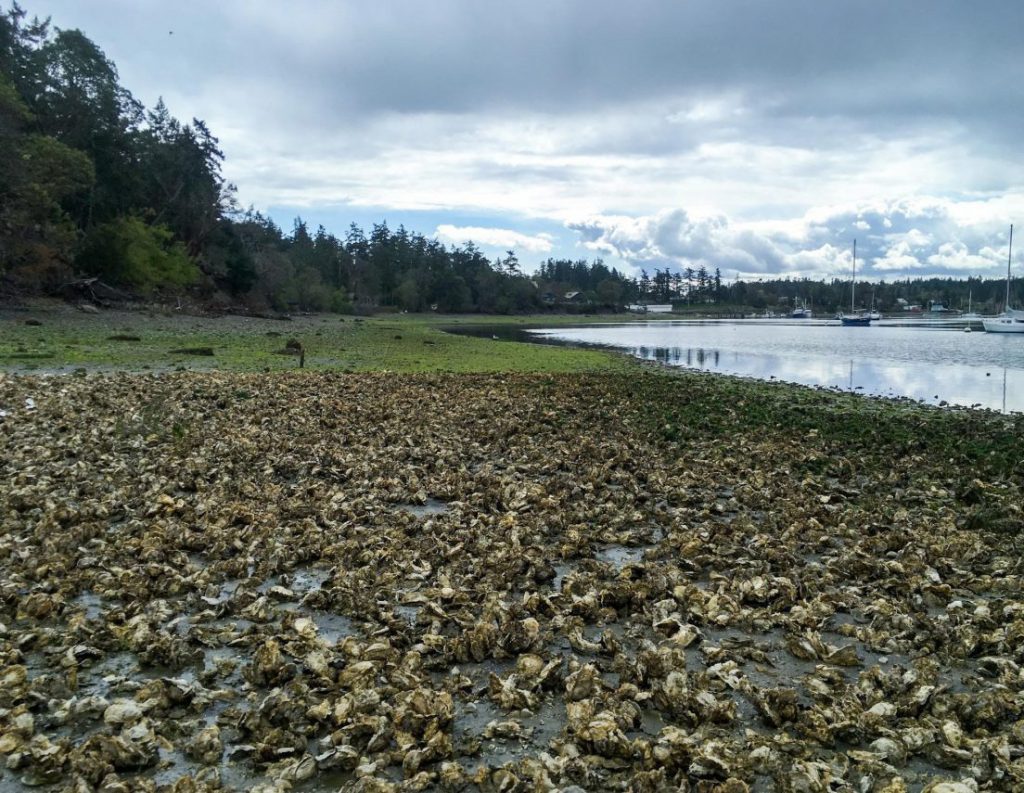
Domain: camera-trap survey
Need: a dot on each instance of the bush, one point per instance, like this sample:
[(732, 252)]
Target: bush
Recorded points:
[(340, 304), (130, 252)]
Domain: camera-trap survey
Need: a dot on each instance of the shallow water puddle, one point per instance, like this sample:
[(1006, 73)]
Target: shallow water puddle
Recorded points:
[(227, 591), (105, 674), (537, 729), (300, 581), (91, 603), (562, 570), (621, 555), (431, 506), (332, 627), (121, 672), (308, 579)]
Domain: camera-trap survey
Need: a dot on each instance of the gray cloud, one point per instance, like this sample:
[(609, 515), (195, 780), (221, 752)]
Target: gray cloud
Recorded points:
[(799, 59), (783, 129)]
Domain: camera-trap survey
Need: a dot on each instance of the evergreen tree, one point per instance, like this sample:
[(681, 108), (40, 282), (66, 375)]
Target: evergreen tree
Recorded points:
[(37, 173), (645, 285)]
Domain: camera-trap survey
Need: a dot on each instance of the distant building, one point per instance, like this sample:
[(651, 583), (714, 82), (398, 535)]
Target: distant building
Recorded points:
[(650, 308)]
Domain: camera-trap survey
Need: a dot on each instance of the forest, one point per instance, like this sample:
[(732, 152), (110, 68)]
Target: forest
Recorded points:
[(95, 185)]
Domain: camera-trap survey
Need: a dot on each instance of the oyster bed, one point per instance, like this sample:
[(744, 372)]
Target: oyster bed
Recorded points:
[(319, 581)]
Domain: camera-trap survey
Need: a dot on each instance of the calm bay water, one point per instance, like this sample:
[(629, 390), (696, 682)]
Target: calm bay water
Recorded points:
[(931, 363)]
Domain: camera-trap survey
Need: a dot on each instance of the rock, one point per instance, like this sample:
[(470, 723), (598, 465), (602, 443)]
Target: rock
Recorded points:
[(122, 711), (207, 747)]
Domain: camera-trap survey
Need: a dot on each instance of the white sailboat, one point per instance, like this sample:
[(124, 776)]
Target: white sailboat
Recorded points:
[(971, 315), (802, 312), (1011, 320)]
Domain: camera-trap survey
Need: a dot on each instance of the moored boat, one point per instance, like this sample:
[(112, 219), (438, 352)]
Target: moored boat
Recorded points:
[(873, 314), (855, 319), (1012, 319)]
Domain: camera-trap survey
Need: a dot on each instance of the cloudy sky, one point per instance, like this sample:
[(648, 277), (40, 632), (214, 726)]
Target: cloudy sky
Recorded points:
[(757, 137)]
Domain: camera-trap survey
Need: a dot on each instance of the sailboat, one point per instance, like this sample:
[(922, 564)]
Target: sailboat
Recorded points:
[(852, 319), (971, 315), (872, 313), (1011, 320)]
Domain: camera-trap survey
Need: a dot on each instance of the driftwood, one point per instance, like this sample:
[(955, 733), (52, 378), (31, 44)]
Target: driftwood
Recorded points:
[(95, 291)]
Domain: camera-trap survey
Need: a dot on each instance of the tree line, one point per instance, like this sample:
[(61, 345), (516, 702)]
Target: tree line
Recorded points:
[(93, 184), (826, 297)]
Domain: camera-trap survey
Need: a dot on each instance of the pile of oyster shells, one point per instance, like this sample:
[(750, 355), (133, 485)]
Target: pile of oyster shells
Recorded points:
[(320, 582)]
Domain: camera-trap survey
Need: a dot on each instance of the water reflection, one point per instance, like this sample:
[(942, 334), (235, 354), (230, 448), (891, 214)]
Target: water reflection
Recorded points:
[(673, 356), (952, 384), (933, 366)]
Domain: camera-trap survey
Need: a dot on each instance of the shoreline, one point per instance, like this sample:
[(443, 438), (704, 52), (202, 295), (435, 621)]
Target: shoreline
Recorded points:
[(74, 343)]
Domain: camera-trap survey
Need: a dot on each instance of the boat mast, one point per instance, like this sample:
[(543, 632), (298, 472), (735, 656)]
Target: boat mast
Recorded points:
[(853, 284), (1009, 258)]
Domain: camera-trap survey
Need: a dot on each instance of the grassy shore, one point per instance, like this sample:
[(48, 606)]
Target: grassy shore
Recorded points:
[(57, 338), (67, 339)]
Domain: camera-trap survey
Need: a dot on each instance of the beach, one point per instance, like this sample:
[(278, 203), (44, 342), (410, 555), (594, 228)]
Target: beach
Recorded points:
[(316, 580)]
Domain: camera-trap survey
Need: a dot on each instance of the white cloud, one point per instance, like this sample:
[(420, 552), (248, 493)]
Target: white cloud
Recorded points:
[(921, 237), (955, 256), (897, 257), (915, 238), (500, 238)]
